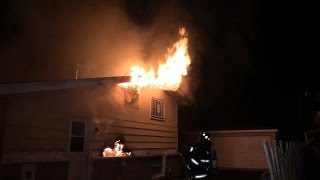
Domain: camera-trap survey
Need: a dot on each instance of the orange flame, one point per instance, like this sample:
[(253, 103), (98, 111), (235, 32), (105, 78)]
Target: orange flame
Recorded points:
[(169, 75), (116, 151)]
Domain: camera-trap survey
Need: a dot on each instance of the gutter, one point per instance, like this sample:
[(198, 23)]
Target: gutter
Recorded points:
[(16, 88)]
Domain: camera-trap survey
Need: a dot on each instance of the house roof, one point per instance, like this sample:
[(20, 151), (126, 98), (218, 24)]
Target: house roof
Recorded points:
[(182, 98), (16, 88), (26, 87)]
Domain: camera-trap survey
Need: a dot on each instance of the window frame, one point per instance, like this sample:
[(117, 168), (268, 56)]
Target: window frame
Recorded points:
[(77, 136), (154, 104)]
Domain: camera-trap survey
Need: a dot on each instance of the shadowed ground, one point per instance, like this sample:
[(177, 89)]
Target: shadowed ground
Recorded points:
[(237, 174)]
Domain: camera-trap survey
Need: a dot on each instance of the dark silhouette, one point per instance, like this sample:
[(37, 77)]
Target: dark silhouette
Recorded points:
[(201, 158)]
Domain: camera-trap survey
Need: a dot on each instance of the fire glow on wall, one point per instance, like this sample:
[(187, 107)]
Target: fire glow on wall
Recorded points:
[(116, 151), (168, 77)]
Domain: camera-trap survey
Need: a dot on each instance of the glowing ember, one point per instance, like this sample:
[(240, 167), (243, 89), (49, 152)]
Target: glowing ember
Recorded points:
[(169, 75), (116, 151)]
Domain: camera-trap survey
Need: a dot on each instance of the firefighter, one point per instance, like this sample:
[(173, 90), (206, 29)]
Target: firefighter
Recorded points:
[(200, 158)]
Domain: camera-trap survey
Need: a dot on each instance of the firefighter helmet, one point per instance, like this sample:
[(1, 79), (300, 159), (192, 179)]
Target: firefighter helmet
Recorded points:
[(204, 135)]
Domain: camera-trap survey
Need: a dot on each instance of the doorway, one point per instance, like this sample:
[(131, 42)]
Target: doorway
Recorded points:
[(79, 145)]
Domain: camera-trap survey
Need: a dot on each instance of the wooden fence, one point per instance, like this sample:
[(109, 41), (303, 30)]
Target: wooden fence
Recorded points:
[(292, 161)]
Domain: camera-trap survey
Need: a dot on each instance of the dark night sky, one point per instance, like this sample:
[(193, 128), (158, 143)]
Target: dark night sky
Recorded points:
[(259, 82), (249, 64)]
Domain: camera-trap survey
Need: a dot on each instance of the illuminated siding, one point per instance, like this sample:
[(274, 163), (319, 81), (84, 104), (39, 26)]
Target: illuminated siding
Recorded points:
[(142, 134), (38, 124)]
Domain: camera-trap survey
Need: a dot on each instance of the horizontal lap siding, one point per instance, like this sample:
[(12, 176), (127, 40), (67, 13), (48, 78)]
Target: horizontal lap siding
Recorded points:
[(150, 139), (154, 151), (40, 132), (31, 138), (136, 139), (151, 145), (37, 145), (139, 137), (39, 122), (36, 126), (142, 125), (241, 152), (138, 131), (237, 150)]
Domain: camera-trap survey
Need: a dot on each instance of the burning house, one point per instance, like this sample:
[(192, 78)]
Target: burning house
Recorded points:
[(71, 129)]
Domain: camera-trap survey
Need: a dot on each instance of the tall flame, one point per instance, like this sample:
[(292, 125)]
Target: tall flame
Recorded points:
[(169, 75)]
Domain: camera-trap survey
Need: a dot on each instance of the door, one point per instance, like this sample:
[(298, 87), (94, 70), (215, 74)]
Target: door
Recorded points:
[(79, 148)]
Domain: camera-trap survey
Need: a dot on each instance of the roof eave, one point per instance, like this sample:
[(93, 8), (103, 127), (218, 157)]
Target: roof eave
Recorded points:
[(17, 88)]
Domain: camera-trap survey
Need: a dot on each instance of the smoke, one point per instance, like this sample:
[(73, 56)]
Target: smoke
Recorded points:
[(162, 20), (53, 40), (71, 33), (56, 38)]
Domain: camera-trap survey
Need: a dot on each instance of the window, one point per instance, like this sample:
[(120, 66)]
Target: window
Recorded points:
[(157, 109), (77, 137)]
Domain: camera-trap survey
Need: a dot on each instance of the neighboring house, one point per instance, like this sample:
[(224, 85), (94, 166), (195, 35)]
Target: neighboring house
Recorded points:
[(56, 130)]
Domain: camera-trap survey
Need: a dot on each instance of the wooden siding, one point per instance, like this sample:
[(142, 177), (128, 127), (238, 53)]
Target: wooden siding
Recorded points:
[(141, 134), (36, 129), (242, 149), (38, 123), (239, 149)]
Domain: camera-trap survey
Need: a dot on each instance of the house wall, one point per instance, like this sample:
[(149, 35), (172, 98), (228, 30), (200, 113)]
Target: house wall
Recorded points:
[(242, 149), (131, 121), (36, 128), (38, 123)]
